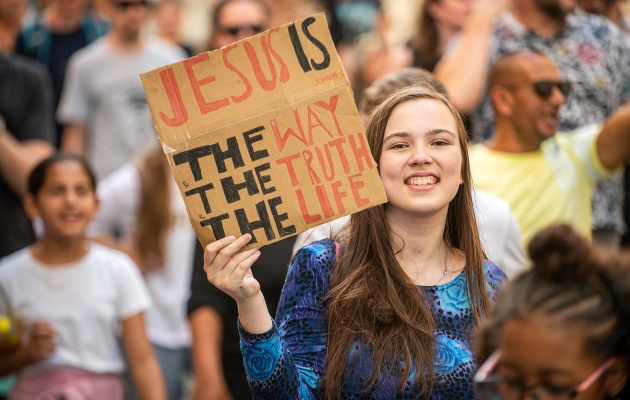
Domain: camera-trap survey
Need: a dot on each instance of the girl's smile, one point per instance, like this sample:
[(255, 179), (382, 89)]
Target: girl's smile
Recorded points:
[(421, 160), (66, 201)]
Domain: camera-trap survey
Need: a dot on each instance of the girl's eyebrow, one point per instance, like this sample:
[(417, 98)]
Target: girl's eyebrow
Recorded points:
[(434, 131), (437, 131), (396, 135)]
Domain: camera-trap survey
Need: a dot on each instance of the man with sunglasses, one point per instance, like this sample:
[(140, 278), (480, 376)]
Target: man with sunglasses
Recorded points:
[(547, 177), (234, 20), (592, 54), (103, 105)]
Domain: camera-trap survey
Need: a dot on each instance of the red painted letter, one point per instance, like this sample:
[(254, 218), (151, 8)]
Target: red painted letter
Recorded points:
[(361, 152), (355, 186), (248, 86), (338, 196), (331, 107), (309, 219), (266, 84), (284, 70), (281, 141), (180, 115), (324, 202), (204, 106), (288, 161)]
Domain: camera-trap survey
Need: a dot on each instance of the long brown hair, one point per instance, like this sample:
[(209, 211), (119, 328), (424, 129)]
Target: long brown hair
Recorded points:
[(425, 41), (154, 215), (371, 297)]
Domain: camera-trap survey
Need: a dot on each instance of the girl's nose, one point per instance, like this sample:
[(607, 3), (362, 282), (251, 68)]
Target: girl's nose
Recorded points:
[(70, 197), (420, 155)]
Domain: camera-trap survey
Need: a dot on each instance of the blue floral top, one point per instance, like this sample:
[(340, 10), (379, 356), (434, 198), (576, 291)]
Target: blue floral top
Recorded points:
[(288, 361)]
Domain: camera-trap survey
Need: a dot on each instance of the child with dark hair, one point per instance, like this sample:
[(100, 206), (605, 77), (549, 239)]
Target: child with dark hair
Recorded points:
[(73, 297), (562, 329)]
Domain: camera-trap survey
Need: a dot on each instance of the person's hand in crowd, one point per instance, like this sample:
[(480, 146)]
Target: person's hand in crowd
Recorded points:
[(41, 341)]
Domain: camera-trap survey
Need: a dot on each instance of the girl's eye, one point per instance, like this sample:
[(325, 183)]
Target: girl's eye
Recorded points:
[(399, 146), (440, 143), (55, 191)]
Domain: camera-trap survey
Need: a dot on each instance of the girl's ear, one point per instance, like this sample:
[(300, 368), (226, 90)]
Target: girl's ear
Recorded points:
[(616, 378), (30, 206)]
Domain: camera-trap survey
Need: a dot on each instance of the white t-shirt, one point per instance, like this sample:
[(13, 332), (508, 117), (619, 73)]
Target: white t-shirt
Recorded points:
[(85, 302), (169, 284), (498, 228)]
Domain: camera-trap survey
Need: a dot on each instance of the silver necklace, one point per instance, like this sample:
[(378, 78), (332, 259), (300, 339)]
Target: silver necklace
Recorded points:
[(445, 268), (444, 273)]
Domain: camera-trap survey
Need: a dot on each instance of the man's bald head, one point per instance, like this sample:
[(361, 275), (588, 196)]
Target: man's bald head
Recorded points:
[(526, 91), (516, 67)]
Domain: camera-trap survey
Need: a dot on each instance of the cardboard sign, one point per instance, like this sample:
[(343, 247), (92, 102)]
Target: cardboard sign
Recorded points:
[(263, 136)]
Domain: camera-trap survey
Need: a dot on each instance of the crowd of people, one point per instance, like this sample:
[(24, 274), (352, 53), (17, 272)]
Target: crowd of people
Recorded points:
[(496, 269)]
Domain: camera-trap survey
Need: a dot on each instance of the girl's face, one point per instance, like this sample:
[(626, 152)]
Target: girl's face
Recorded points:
[(421, 160), (550, 358), (66, 202)]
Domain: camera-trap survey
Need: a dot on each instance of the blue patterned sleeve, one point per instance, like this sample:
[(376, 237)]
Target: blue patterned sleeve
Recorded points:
[(495, 279), (288, 361)]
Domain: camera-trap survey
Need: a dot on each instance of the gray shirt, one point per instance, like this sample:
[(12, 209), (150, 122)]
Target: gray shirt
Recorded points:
[(103, 90)]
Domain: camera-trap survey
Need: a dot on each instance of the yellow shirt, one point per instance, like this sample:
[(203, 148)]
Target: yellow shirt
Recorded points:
[(552, 185)]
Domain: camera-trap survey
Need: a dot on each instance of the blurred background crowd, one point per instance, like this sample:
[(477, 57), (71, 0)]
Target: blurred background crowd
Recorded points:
[(69, 80)]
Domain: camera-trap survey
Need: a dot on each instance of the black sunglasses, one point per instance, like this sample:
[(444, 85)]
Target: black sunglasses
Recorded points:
[(124, 5), (235, 30), (544, 88)]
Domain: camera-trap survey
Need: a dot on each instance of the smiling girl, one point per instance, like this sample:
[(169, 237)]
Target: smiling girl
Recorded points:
[(74, 298), (389, 309)]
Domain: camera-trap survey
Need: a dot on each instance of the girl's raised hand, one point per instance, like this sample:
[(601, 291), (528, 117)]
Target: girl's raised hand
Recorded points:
[(229, 270)]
